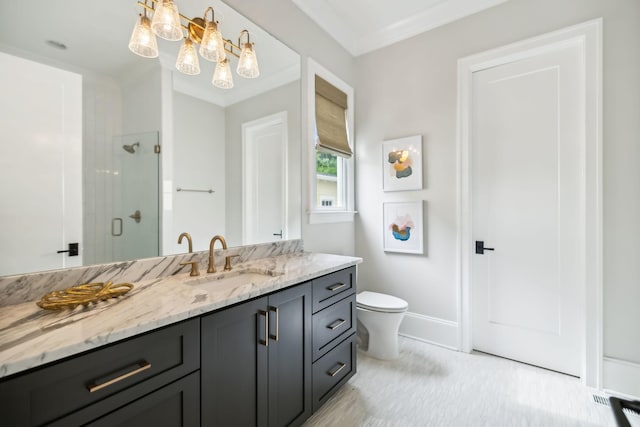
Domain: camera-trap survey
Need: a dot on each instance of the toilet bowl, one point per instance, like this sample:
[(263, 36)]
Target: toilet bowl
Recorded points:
[(379, 317)]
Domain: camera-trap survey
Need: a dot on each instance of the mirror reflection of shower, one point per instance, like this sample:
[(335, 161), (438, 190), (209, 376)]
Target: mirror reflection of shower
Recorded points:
[(131, 148), (131, 188)]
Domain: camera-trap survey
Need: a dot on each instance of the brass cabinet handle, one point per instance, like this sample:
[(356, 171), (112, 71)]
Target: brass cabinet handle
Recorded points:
[(335, 371), (336, 324), (101, 383), (335, 287), (265, 341), (275, 310)]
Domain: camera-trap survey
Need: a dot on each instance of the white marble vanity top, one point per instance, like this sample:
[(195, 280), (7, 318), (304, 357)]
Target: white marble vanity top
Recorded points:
[(31, 336)]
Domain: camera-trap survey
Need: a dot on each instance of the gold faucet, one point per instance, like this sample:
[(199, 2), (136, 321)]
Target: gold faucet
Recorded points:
[(188, 236), (212, 266)]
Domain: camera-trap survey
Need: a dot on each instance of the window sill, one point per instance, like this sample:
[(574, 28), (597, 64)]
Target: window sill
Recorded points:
[(327, 217)]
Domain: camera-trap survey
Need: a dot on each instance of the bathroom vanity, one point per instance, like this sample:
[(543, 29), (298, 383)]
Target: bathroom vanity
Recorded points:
[(184, 352)]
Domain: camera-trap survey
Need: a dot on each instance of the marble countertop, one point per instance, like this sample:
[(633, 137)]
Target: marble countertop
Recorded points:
[(31, 336)]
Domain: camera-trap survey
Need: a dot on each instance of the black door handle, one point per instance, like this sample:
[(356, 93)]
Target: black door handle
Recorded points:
[(480, 247), (278, 234), (73, 250)]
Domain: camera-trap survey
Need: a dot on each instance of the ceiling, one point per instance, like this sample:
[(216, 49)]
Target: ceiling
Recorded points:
[(362, 26), (97, 34)]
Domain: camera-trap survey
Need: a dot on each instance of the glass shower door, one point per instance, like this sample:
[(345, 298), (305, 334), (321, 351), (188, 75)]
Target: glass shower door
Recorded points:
[(135, 222)]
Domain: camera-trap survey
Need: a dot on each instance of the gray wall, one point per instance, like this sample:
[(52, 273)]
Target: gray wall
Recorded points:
[(285, 98), (198, 163), (286, 22), (421, 99)]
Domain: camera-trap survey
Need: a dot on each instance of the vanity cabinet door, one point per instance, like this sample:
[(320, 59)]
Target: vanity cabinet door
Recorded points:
[(256, 362), (290, 401), (234, 366)]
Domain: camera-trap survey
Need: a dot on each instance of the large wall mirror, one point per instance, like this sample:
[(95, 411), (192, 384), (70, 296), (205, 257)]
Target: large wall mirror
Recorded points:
[(121, 154)]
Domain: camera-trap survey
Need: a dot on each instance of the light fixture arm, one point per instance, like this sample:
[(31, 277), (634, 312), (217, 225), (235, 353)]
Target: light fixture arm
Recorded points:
[(240, 38), (231, 47), (213, 15)]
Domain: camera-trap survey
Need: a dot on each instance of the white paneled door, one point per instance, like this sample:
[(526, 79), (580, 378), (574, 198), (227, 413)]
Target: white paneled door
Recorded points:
[(264, 174), (528, 198), (41, 150)]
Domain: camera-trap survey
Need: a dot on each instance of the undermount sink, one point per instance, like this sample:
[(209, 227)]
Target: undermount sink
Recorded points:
[(234, 278)]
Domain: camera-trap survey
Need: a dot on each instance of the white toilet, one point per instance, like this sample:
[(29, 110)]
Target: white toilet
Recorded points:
[(379, 317)]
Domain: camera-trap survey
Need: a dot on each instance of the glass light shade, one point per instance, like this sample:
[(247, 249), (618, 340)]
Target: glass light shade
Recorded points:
[(187, 61), (212, 46), (166, 21), (143, 41), (248, 63), (222, 77)]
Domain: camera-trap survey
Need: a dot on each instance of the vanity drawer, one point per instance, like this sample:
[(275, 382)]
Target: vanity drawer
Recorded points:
[(335, 321), (138, 365), (333, 370), (333, 287), (176, 404)]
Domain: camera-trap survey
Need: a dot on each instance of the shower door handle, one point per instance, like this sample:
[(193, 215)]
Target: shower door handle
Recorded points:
[(114, 221)]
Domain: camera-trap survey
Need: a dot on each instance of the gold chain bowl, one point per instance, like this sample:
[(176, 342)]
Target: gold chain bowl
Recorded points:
[(89, 293)]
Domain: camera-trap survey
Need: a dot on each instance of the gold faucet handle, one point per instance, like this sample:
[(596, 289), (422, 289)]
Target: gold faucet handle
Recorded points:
[(227, 262), (194, 267)]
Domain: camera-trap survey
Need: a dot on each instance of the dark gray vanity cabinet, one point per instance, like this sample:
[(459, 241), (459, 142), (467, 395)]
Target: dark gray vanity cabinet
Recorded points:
[(267, 362), (256, 361), (334, 333), (125, 381)]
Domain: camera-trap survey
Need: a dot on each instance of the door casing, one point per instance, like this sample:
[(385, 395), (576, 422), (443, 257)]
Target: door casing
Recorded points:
[(589, 36)]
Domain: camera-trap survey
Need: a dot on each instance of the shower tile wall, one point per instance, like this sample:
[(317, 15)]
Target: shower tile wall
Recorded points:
[(102, 119)]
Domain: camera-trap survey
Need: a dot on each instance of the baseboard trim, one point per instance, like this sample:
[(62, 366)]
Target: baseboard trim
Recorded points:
[(621, 377), (432, 330)]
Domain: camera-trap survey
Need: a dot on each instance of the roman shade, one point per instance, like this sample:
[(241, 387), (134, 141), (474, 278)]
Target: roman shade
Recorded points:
[(331, 122)]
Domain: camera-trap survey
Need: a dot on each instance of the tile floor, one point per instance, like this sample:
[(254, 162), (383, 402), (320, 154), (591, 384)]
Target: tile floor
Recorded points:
[(432, 386)]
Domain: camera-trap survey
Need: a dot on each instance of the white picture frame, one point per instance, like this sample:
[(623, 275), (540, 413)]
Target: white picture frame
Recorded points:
[(402, 227), (402, 164)]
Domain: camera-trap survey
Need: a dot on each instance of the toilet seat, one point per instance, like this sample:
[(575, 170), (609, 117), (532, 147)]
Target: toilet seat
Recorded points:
[(382, 303)]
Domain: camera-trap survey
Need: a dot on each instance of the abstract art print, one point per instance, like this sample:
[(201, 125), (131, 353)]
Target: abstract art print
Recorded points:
[(402, 164), (402, 223)]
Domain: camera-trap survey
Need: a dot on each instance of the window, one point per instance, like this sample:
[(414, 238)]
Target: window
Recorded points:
[(331, 159), (329, 181)]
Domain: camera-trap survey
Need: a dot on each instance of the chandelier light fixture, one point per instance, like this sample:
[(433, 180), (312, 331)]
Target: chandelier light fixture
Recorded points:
[(167, 23)]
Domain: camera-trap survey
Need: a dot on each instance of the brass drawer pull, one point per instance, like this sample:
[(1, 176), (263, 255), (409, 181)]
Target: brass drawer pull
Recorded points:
[(275, 310), (265, 341), (101, 383), (335, 287), (339, 368), (336, 324)]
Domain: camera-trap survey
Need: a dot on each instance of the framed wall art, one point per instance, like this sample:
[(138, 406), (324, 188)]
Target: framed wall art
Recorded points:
[(402, 164), (402, 227)]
